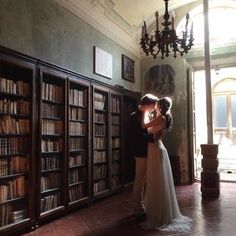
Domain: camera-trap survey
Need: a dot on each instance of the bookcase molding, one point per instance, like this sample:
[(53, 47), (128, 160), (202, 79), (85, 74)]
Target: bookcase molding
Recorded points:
[(65, 123)]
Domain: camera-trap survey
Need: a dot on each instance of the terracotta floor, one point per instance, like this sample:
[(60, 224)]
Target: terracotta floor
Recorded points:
[(113, 216)]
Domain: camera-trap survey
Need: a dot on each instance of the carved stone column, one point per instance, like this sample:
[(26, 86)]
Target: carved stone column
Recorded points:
[(210, 177)]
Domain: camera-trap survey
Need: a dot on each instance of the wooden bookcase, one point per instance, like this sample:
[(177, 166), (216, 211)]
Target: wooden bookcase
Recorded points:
[(17, 144), (100, 153), (52, 142), (107, 149), (116, 140), (78, 142), (61, 141)]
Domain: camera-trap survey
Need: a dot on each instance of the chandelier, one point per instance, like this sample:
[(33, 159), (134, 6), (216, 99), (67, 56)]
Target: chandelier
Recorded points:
[(165, 41)]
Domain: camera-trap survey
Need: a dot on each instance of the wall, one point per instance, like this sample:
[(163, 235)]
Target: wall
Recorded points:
[(175, 141), (46, 31)]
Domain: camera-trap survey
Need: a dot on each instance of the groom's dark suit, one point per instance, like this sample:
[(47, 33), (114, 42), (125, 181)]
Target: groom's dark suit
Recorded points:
[(140, 135)]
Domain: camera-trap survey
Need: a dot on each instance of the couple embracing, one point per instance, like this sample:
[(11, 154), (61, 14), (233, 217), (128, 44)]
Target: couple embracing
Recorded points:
[(154, 194)]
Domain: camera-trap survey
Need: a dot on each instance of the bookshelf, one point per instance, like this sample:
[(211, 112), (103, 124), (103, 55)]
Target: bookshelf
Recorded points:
[(61, 141), (100, 160), (116, 141), (16, 143), (78, 142), (52, 142)]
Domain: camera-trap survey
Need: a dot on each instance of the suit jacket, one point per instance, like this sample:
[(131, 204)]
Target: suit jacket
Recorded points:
[(140, 136)]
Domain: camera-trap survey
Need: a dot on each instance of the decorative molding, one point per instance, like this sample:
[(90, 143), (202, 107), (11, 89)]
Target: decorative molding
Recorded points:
[(100, 15)]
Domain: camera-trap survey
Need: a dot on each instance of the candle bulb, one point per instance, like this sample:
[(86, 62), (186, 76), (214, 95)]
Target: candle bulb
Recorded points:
[(172, 22), (142, 32), (157, 23), (145, 28)]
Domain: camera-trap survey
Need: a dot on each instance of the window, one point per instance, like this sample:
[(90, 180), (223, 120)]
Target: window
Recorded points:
[(220, 111)]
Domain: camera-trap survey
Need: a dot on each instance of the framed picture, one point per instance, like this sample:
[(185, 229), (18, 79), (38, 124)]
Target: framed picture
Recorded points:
[(102, 63), (127, 68)]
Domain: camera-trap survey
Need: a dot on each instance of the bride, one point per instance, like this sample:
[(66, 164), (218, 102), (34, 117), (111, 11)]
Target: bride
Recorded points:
[(161, 206)]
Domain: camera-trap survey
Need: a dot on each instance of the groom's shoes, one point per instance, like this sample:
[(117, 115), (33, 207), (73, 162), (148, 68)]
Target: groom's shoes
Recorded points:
[(140, 217)]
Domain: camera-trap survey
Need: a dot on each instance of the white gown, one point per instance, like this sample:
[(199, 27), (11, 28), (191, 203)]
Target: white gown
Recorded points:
[(161, 206)]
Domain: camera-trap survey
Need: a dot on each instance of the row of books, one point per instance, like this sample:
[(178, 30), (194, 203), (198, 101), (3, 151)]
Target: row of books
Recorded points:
[(115, 105), (50, 181), (99, 156), (100, 117), (8, 106), (52, 92), (115, 168), (12, 189), (14, 86), (49, 202), (13, 145), (115, 130), (100, 171), (115, 181), (77, 114), (100, 129), (99, 186), (51, 145), (115, 120), (99, 101), (77, 128), (77, 160), (77, 97), (115, 155), (9, 125), (7, 215), (51, 110), (51, 127), (76, 192), (76, 143), (100, 142), (50, 163), (115, 142), (77, 175)]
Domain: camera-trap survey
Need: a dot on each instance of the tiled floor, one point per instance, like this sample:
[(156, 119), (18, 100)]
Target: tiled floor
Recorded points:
[(113, 216)]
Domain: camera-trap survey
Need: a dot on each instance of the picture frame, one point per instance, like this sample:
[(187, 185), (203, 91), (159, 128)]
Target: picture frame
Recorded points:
[(128, 68), (102, 63)]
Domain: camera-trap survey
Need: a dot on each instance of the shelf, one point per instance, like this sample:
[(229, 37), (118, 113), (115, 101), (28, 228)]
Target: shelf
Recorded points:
[(53, 102), (100, 163), (100, 149), (51, 118), (21, 116), (77, 183), (50, 171), (49, 212), (100, 123), (13, 200), (100, 111), (77, 166), (79, 200), (100, 135), (80, 121), (52, 135), (77, 135), (50, 190), (78, 150), (13, 96), (51, 153), (100, 178), (13, 135), (13, 155), (12, 176), (78, 106)]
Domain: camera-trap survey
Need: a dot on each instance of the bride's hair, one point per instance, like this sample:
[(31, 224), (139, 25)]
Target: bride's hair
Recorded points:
[(165, 105)]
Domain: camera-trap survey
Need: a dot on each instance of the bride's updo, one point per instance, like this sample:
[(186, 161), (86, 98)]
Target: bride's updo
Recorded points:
[(165, 105)]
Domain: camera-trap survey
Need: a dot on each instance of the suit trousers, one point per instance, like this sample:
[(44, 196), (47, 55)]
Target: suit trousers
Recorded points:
[(139, 184)]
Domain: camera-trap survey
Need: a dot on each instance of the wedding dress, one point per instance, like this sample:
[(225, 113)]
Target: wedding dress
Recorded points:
[(161, 206)]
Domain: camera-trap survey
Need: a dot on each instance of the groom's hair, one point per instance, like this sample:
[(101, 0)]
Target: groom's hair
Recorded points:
[(148, 99)]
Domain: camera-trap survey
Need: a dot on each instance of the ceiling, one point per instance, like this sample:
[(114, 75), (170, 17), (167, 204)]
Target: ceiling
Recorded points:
[(121, 20)]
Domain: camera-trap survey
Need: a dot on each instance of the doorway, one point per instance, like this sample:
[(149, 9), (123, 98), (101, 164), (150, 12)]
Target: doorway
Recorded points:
[(224, 119)]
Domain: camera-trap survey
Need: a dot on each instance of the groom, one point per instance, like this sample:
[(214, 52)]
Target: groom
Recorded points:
[(141, 139)]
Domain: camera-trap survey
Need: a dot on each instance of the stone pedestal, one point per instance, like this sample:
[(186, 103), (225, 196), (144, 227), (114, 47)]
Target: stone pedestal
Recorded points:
[(210, 177)]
